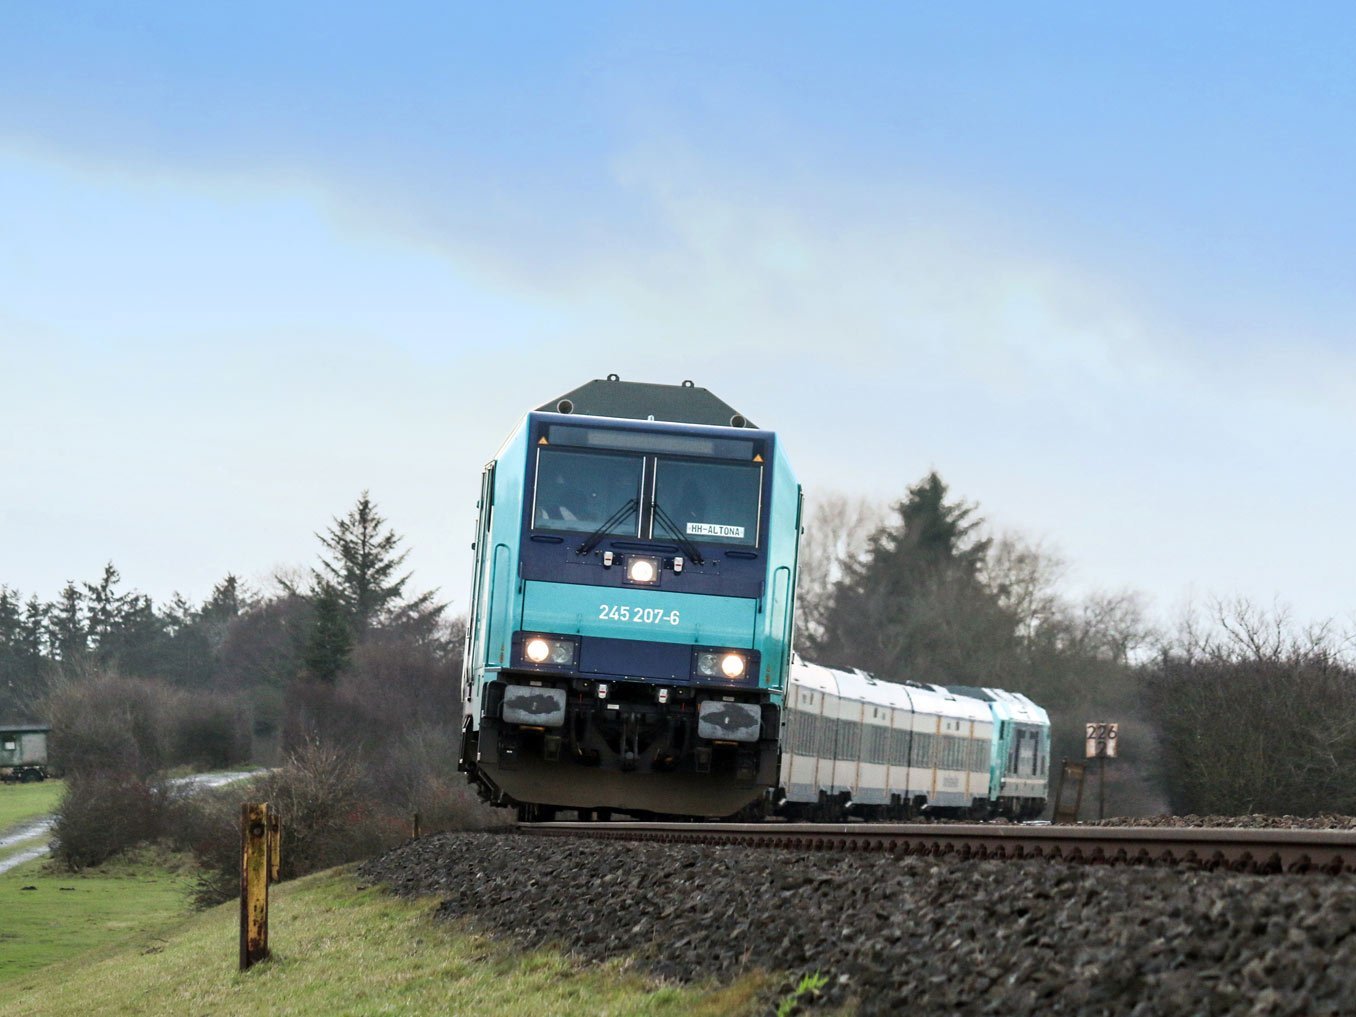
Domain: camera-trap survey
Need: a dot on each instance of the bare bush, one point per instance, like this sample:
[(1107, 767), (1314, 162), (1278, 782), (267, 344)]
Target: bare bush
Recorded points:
[(105, 814), (330, 814), (1256, 715), (837, 533), (108, 724), (209, 731), (207, 824), (418, 774)]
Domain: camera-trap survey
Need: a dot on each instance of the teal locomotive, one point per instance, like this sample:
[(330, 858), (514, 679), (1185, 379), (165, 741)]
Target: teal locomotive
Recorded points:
[(631, 609)]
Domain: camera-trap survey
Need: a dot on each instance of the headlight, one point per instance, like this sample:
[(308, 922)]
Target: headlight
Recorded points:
[(721, 664), (544, 650), (642, 570)]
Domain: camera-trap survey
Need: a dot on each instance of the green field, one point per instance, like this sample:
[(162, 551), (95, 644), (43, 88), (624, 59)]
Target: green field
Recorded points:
[(20, 802), (51, 915), (337, 950)]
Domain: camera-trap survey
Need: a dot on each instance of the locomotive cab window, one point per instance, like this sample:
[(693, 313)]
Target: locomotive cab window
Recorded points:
[(707, 502), (580, 491)]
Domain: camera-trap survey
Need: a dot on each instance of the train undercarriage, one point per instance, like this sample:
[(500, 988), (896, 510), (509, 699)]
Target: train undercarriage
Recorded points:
[(630, 747), (840, 808)]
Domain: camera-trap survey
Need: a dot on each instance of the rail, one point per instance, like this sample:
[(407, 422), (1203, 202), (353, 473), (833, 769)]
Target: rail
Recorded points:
[(1268, 851)]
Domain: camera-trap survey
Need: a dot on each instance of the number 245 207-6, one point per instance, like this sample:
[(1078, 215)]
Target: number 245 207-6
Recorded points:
[(636, 615)]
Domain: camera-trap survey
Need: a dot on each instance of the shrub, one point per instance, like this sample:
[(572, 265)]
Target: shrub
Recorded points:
[(109, 724), (209, 731), (207, 824), (418, 773), (102, 815), (329, 813), (333, 808)]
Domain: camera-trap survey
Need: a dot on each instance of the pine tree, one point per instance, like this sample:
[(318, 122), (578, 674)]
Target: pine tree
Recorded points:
[(362, 565), (226, 601), (105, 613), (33, 633), (12, 670), (67, 633), (330, 640), (915, 606), (11, 618)]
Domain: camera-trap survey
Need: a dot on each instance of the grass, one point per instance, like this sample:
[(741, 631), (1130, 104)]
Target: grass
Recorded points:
[(342, 950), (22, 802), (51, 915)]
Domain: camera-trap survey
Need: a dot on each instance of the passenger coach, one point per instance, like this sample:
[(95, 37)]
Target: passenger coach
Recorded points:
[(857, 745), (630, 629)]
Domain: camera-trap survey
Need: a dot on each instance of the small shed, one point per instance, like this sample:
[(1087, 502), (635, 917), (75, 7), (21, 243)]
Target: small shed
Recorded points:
[(23, 751)]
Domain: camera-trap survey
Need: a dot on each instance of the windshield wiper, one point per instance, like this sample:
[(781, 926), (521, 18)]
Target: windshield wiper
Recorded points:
[(615, 518), (689, 548)]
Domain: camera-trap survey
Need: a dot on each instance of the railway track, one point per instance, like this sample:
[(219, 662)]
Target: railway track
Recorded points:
[(1263, 852)]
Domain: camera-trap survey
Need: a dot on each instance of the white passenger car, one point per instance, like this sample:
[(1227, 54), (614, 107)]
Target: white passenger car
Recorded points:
[(853, 744)]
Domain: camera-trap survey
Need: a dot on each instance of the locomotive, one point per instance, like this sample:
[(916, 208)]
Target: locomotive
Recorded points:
[(629, 643), (631, 608)]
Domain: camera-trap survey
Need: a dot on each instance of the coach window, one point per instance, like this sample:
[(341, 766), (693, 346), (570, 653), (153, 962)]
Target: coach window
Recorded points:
[(580, 491), (716, 503)]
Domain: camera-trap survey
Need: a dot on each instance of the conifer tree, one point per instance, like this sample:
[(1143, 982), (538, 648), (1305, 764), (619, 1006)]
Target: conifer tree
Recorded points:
[(11, 617), (67, 634), (330, 640), (915, 606), (362, 564), (105, 613)]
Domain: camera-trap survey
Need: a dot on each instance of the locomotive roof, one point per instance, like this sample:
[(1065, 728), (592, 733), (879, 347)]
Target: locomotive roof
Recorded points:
[(24, 728), (637, 400), (1020, 708)]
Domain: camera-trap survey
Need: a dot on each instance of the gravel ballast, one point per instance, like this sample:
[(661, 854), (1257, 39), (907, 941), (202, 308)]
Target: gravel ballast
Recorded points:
[(915, 935), (1253, 822)]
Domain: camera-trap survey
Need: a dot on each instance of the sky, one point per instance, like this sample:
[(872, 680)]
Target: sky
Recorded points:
[(1094, 264)]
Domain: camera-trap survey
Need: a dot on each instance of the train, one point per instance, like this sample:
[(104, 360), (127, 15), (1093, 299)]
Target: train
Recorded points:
[(854, 745), (631, 606), (629, 646)]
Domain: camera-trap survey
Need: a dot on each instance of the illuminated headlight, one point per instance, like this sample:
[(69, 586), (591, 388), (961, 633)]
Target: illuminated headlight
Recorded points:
[(721, 664), (542, 650), (642, 570)]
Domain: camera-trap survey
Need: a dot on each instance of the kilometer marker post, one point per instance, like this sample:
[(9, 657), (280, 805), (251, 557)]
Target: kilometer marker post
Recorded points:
[(256, 838)]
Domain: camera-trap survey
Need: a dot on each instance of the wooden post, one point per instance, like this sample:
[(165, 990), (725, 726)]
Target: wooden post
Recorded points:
[(1069, 773), (254, 873), (415, 826), (274, 846), (1101, 786)]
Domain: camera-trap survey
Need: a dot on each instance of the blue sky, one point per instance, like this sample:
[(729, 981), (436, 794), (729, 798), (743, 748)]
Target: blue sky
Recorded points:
[(1094, 266)]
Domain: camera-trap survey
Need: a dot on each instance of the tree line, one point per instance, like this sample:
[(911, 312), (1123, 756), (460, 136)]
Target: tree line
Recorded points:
[(1237, 711), (256, 673), (344, 678)]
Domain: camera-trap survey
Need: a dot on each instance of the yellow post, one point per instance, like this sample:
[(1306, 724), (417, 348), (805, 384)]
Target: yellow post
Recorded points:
[(274, 846), (254, 871)]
